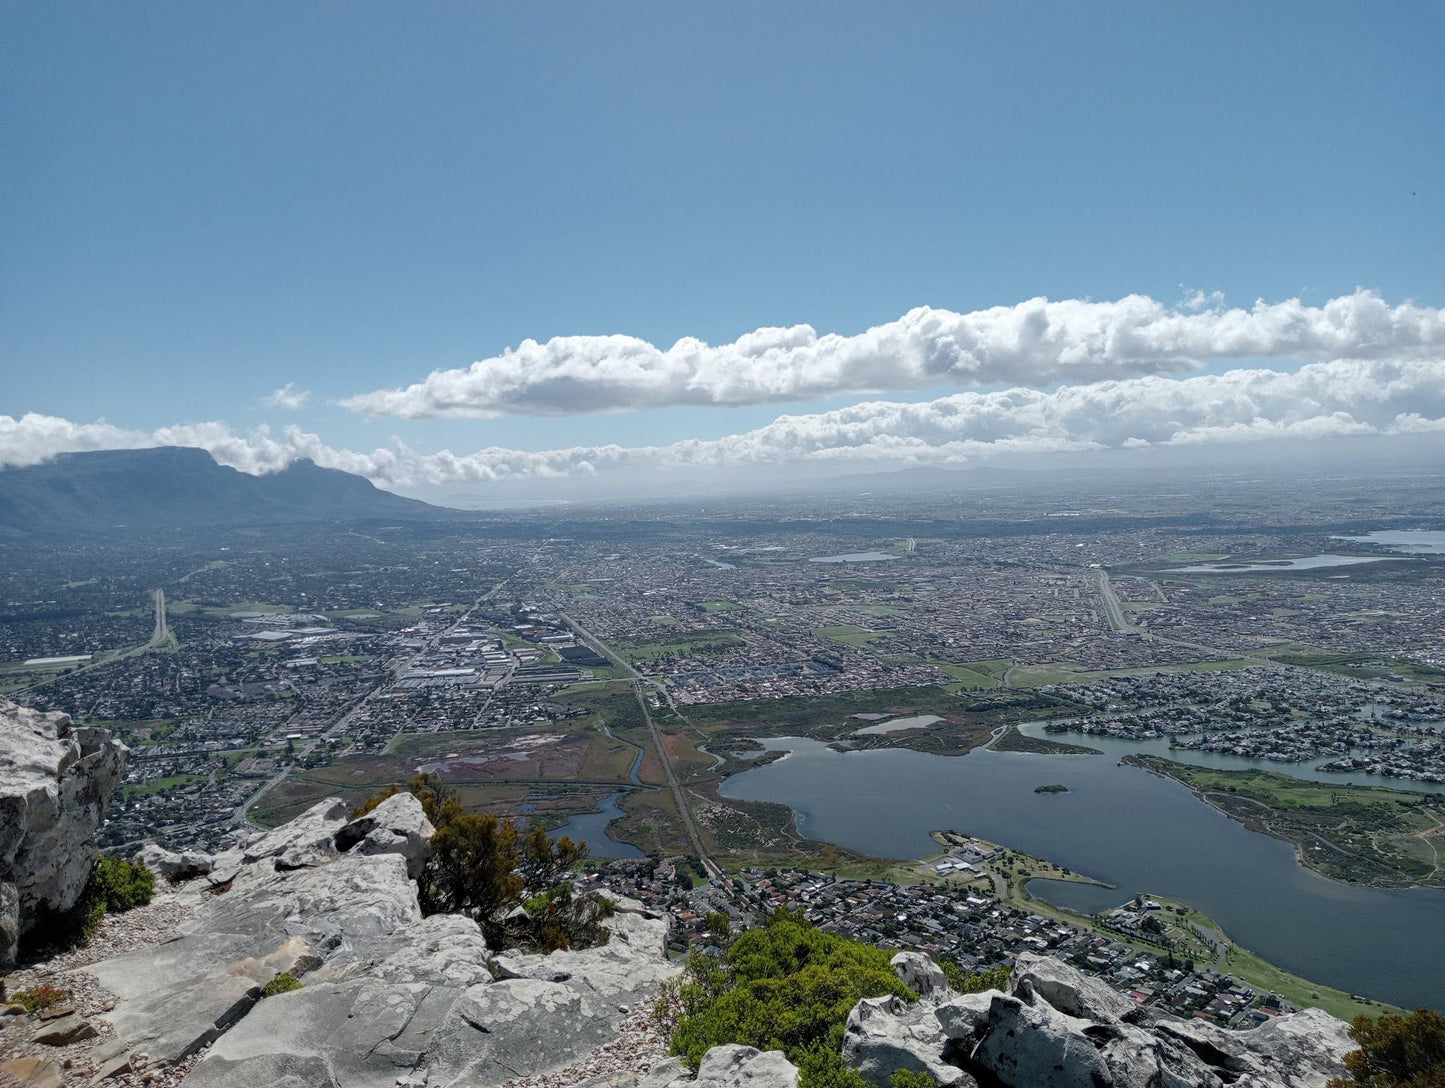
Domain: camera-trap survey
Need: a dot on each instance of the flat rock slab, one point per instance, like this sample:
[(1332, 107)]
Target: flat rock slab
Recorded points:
[(64, 1031), (172, 1024)]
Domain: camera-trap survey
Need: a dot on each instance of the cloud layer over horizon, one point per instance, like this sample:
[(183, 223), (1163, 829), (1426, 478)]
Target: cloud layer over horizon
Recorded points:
[(1340, 398), (1035, 343)]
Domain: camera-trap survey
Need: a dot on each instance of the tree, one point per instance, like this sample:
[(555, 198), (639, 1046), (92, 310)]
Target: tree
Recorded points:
[(472, 868), (482, 866), (1397, 1051)]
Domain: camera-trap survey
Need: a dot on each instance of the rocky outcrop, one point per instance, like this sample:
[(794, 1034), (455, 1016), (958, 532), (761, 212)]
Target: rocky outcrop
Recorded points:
[(726, 1067), (55, 783), (1062, 1029), (396, 826), (388, 997), (169, 865)]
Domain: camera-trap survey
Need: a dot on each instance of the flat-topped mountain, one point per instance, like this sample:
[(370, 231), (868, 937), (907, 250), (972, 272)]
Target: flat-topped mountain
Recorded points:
[(117, 491)]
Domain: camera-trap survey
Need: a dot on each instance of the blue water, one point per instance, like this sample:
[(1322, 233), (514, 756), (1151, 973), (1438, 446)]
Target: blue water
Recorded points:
[(854, 557), (591, 828), (1129, 828)]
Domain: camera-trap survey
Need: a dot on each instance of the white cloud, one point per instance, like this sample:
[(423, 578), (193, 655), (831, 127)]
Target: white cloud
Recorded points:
[(288, 397), (1321, 400), (1036, 343)]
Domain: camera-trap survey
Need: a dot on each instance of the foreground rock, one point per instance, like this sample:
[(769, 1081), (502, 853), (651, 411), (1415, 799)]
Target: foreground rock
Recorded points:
[(55, 783), (1062, 1029), (388, 997), (727, 1067)]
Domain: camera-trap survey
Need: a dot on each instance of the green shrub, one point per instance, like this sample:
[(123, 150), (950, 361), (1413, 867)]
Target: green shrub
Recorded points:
[(907, 1078), (283, 983), (962, 982), (40, 997), (1397, 1051), (786, 986), (122, 885)]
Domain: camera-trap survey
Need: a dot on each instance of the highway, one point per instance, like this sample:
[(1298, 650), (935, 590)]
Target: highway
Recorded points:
[(1113, 610), (684, 813), (160, 636)]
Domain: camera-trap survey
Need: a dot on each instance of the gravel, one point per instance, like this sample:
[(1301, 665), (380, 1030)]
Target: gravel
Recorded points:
[(119, 933)]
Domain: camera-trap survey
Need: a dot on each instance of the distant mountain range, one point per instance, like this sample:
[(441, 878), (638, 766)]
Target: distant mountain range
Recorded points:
[(111, 492)]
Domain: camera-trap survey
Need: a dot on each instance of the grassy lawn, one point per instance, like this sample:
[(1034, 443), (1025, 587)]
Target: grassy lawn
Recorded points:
[(719, 606), (860, 638), (686, 645), (975, 674)]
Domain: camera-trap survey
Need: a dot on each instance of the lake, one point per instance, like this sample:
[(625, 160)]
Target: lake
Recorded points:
[(1406, 541), (853, 557), (1309, 562), (1123, 825)]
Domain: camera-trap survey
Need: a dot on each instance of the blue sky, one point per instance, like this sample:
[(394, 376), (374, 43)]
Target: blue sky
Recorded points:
[(201, 203)]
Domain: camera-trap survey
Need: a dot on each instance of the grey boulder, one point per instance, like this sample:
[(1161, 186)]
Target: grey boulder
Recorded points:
[(55, 783), (886, 1034), (396, 826), (920, 974)]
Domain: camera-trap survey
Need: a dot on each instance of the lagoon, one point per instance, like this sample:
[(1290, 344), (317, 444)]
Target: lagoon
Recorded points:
[(1267, 566), (591, 828), (1125, 826)]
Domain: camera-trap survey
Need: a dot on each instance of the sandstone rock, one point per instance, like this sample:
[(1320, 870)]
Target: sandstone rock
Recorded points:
[(174, 1023), (886, 1034), (1061, 1028), (723, 1067), (304, 842), (55, 783), (740, 1066), (1036, 1046), (34, 1072), (396, 826), (1301, 1050), (169, 865), (65, 1030), (388, 997), (920, 974), (111, 1059), (445, 950), (1068, 990), (962, 1018)]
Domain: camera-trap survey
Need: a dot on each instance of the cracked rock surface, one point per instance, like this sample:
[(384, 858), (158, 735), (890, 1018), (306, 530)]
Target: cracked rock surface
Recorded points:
[(388, 997)]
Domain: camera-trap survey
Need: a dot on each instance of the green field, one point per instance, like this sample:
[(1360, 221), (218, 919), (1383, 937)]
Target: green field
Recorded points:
[(159, 785), (860, 638), (688, 644), (1011, 740), (975, 674)]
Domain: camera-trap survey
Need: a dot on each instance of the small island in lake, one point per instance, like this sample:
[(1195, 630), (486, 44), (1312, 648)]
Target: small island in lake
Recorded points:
[(1057, 787)]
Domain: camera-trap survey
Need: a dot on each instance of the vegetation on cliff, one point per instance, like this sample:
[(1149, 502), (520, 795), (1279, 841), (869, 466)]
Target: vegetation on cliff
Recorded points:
[(485, 867), (785, 986)]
